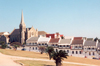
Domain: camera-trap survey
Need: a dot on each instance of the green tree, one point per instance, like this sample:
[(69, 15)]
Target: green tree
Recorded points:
[(58, 56), (3, 46), (15, 47), (49, 50), (42, 49), (2, 42)]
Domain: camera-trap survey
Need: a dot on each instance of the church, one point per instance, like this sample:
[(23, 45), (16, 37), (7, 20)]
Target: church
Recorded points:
[(23, 33)]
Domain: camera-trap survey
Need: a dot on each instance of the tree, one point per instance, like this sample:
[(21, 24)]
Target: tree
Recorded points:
[(41, 49), (2, 42), (49, 50), (15, 47), (58, 56), (3, 45), (95, 39)]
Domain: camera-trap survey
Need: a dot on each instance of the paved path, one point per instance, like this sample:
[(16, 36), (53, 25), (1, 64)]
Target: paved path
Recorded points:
[(9, 59)]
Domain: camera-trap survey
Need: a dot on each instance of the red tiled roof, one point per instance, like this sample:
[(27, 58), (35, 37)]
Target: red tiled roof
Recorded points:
[(77, 42), (54, 40), (77, 38)]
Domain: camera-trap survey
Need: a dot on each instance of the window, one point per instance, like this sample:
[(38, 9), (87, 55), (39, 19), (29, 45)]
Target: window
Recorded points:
[(92, 48), (75, 46), (39, 44), (63, 45), (36, 48), (33, 48), (45, 43), (89, 48), (79, 46), (42, 44), (60, 46), (89, 53), (93, 53), (67, 45), (67, 51), (52, 44), (30, 43), (76, 52), (80, 52), (72, 52), (35, 43), (56, 44)]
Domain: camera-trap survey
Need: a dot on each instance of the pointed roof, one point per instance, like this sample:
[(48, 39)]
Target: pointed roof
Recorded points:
[(22, 19)]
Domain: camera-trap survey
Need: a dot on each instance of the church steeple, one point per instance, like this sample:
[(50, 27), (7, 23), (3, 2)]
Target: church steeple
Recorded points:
[(22, 28), (22, 19)]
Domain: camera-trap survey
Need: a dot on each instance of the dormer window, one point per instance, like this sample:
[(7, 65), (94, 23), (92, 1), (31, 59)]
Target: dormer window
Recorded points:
[(89, 48), (45, 43), (52, 44), (63, 45), (92, 48), (67, 45), (60, 45), (39, 44), (56, 44), (80, 47), (75, 46), (42, 44)]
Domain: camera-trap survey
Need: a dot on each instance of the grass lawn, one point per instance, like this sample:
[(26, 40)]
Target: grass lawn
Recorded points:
[(44, 56), (41, 63)]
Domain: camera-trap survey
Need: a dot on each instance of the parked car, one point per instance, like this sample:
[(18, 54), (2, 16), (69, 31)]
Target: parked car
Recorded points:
[(23, 49)]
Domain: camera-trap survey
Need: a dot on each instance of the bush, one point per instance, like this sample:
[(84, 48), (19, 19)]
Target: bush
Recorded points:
[(3, 46)]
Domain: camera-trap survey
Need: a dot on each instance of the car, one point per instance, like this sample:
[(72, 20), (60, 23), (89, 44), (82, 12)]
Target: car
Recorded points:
[(23, 49)]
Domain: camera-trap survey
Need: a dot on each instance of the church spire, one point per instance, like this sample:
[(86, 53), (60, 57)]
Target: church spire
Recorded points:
[(22, 18)]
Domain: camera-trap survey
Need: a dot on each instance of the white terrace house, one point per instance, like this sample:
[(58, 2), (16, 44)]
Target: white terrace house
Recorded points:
[(54, 43), (43, 41), (77, 48), (98, 50), (65, 45), (90, 49), (31, 44)]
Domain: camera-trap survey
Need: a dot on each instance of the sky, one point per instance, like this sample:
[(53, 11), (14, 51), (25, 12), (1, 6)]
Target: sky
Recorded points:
[(80, 18)]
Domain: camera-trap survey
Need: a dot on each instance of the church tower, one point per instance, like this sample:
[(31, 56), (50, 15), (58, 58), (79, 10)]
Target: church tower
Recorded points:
[(22, 28)]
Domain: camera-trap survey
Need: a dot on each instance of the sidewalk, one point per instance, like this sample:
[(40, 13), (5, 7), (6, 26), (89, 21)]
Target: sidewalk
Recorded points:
[(7, 61)]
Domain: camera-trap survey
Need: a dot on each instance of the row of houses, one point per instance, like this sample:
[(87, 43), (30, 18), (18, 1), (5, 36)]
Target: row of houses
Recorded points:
[(74, 46)]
